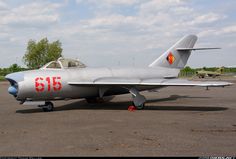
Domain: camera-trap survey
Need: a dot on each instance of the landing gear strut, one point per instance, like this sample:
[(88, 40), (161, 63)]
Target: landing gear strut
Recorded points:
[(48, 107), (138, 99)]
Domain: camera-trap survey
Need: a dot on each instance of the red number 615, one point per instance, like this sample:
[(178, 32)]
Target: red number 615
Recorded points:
[(40, 83)]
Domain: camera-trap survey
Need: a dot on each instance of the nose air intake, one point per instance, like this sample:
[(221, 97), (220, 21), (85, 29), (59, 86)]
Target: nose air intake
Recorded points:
[(13, 90), (14, 79)]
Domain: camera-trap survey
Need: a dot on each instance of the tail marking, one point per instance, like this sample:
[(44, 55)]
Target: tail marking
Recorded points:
[(170, 58)]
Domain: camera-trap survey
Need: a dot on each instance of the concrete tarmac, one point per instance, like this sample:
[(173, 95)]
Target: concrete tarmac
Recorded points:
[(177, 121)]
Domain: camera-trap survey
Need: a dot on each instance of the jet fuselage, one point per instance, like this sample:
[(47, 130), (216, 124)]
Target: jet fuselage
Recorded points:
[(52, 84)]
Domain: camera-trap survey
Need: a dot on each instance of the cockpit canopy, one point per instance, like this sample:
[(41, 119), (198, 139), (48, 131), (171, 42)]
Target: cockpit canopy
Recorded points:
[(64, 63)]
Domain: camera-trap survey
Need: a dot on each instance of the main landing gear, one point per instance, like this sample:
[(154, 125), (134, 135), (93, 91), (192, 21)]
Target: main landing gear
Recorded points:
[(138, 99)]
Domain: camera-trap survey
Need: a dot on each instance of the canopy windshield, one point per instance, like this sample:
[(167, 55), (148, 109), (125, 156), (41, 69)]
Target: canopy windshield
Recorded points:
[(70, 63), (64, 63)]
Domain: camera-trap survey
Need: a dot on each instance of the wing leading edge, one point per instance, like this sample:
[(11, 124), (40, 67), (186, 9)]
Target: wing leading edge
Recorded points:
[(149, 82)]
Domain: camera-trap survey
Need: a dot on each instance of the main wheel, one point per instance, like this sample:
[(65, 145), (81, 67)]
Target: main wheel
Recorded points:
[(48, 107), (140, 107)]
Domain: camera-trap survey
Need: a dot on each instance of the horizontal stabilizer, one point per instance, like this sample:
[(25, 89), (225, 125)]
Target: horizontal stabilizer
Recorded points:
[(194, 49)]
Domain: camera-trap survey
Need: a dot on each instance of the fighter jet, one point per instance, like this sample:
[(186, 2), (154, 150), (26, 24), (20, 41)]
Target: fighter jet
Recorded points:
[(70, 79), (203, 73)]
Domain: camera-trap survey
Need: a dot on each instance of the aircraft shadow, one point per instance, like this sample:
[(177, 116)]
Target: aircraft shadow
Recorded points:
[(170, 98), (83, 105)]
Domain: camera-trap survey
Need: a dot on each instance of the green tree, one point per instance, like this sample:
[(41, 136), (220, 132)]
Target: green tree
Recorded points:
[(14, 68), (42, 52)]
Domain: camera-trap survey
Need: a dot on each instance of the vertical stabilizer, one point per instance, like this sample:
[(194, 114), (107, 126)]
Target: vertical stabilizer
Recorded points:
[(174, 58)]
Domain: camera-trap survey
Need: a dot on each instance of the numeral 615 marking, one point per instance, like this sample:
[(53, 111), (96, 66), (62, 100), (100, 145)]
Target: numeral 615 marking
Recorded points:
[(54, 82)]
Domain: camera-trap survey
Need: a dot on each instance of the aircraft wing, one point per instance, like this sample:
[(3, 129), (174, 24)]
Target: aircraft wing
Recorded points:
[(149, 82)]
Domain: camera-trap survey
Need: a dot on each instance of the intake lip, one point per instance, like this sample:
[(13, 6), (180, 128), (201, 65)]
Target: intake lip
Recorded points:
[(14, 79)]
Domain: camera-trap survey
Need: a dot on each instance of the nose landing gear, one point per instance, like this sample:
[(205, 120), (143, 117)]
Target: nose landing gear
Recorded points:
[(48, 107)]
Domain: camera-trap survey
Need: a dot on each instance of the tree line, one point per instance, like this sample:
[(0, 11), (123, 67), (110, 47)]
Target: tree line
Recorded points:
[(11, 69)]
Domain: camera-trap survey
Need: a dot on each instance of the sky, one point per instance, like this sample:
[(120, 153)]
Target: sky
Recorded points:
[(119, 32)]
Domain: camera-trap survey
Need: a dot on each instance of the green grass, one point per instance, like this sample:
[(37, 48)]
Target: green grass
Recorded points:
[(2, 78)]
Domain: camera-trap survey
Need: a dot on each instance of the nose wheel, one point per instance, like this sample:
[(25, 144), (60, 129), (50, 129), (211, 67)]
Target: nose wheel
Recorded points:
[(48, 107)]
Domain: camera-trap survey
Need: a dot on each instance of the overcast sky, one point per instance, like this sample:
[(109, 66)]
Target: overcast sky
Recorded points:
[(119, 32)]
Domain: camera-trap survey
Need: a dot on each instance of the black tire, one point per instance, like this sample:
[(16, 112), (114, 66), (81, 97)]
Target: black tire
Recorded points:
[(48, 107), (140, 107)]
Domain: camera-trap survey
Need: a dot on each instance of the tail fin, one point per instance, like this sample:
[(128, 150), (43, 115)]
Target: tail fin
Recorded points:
[(176, 56)]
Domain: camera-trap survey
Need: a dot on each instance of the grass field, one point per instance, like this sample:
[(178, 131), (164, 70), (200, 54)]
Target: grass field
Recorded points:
[(2, 78)]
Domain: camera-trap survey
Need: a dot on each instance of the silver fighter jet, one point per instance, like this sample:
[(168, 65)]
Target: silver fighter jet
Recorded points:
[(70, 79)]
